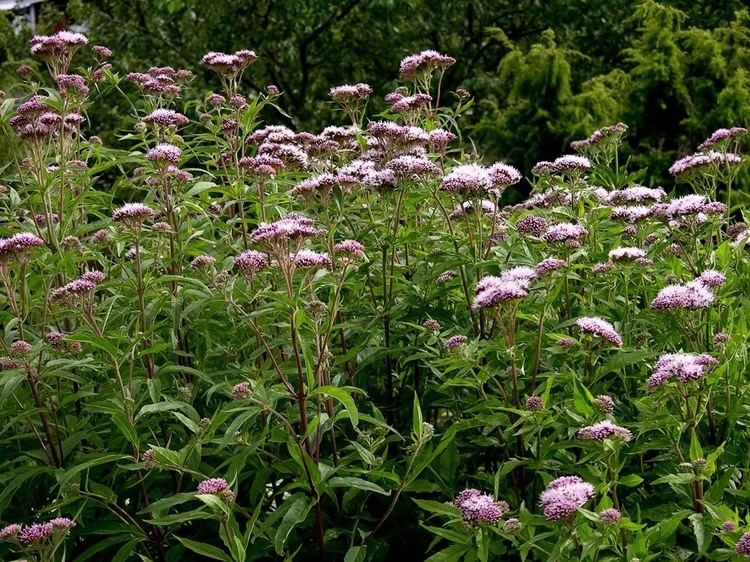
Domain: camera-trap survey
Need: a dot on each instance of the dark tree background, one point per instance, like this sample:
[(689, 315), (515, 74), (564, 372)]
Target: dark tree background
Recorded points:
[(543, 72)]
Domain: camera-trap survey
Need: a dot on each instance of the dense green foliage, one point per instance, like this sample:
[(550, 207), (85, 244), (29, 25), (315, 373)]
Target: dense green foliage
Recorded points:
[(226, 339), (544, 72)]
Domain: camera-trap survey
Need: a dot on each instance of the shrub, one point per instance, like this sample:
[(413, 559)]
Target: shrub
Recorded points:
[(236, 341)]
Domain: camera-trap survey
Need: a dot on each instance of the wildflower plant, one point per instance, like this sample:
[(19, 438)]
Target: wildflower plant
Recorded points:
[(228, 339)]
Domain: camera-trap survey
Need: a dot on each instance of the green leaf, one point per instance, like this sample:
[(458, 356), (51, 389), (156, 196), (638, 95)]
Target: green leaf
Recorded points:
[(358, 483), (342, 396), (439, 508), (696, 452), (204, 549), (416, 419), (451, 554), (356, 554), (630, 481), (699, 531), (295, 515)]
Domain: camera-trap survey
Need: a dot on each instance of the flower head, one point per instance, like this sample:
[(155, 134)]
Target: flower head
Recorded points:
[(10, 532), (564, 496), (680, 367), (743, 545), (477, 508), (216, 487), (251, 262), (691, 296), (605, 430), (166, 118), (133, 213), (599, 327), (164, 153), (242, 391), (35, 534), (534, 403), (229, 65), (424, 63), (348, 93), (604, 404), (350, 249), (564, 232), (455, 343), (310, 258), (610, 516)]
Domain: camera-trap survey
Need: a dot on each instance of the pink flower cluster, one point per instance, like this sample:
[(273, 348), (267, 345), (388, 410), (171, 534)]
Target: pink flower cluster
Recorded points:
[(682, 367), (160, 80), (419, 64), (567, 164), (722, 137), (701, 160), (473, 179), (62, 42), (82, 287), (164, 153), (599, 327), (133, 213), (599, 137), (37, 533), (636, 194), (564, 496), (166, 118), (605, 430), (478, 508), (627, 254), (348, 93), (216, 487), (310, 258), (229, 65), (509, 286), (18, 246), (565, 232), (455, 342), (690, 296), (291, 227), (251, 262)]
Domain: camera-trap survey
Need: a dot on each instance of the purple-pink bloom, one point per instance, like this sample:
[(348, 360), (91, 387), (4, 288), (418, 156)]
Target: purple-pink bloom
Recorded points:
[(712, 279), (351, 93), (166, 118), (164, 153), (605, 430), (682, 367), (478, 508), (10, 532), (455, 342), (721, 137), (599, 327), (416, 65), (216, 487), (626, 254), (564, 496), (548, 265), (349, 248), (310, 258), (610, 516), (35, 534), (133, 213), (251, 261), (743, 545), (291, 227), (691, 296), (564, 232)]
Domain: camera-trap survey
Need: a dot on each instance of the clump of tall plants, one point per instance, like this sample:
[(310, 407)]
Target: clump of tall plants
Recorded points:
[(225, 339)]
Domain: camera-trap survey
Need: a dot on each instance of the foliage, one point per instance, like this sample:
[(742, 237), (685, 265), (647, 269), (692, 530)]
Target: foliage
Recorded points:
[(233, 341)]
